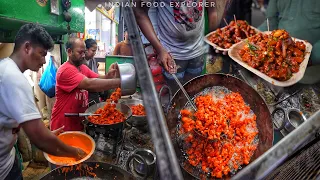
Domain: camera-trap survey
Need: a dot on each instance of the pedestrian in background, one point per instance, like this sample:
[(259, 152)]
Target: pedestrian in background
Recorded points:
[(123, 48), (91, 62)]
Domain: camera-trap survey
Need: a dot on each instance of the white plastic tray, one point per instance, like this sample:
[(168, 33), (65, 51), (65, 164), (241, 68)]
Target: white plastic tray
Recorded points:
[(233, 53)]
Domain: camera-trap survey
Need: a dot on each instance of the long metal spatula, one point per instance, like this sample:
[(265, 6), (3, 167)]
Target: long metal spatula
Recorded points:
[(191, 102), (184, 92), (80, 114)]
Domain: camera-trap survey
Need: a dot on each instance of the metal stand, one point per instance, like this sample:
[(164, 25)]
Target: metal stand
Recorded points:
[(167, 160)]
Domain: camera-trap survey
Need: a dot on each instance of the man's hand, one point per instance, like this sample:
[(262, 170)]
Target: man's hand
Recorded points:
[(76, 153), (48, 142), (80, 154), (58, 131), (167, 61), (114, 71)]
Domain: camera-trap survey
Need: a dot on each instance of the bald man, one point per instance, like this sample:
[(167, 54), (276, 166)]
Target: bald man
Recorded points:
[(74, 80)]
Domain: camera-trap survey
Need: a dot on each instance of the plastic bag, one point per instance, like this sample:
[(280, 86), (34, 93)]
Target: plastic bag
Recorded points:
[(48, 80)]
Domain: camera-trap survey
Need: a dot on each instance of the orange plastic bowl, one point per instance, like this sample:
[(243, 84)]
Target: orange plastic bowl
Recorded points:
[(75, 139)]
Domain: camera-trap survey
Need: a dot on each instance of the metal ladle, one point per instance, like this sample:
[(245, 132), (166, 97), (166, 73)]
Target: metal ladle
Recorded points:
[(190, 101), (184, 92)]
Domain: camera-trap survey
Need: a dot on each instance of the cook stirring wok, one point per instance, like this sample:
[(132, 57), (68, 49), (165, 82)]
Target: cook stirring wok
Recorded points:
[(17, 105), (73, 81)]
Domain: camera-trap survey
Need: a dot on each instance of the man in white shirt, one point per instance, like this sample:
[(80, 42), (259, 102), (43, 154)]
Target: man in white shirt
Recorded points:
[(17, 105)]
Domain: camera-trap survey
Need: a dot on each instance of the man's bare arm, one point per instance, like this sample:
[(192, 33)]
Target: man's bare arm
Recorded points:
[(147, 29), (112, 73), (45, 140), (215, 14), (99, 85)]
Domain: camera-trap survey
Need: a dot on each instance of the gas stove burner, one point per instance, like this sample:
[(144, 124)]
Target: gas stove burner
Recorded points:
[(122, 159), (114, 133), (107, 146), (110, 132), (143, 128), (107, 140), (137, 138), (128, 146)]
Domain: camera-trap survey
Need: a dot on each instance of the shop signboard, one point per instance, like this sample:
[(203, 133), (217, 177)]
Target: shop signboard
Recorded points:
[(94, 34), (117, 14)]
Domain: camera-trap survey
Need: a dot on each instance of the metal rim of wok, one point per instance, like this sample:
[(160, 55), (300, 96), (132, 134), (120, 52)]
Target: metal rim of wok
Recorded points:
[(126, 110), (135, 120), (104, 171), (250, 96)]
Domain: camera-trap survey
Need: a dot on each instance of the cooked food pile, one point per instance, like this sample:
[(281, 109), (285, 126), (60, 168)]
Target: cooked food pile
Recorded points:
[(109, 113), (275, 55), (231, 34), (138, 110), (229, 132), (115, 96)]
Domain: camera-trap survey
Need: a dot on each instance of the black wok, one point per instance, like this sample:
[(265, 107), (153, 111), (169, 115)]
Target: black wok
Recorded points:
[(104, 171), (251, 97)]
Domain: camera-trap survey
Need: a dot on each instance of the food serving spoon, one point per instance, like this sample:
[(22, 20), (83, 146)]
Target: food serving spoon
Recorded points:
[(184, 92)]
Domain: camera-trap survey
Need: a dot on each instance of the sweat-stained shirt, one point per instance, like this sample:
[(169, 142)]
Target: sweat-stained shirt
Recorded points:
[(181, 28), (69, 98)]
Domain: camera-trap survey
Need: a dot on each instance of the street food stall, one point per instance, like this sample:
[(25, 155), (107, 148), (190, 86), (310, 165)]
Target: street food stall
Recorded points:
[(163, 135), (165, 143)]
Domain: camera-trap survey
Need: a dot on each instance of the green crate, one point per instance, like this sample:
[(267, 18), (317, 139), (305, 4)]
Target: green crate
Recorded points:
[(119, 60)]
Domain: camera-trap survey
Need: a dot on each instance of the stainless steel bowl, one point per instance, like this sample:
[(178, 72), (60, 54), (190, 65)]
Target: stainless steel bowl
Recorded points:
[(294, 119), (128, 79), (150, 159), (135, 120)]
